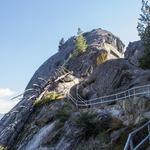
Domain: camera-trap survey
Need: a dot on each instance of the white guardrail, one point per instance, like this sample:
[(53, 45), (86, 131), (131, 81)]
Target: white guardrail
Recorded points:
[(130, 144), (130, 93), (80, 102), (37, 89)]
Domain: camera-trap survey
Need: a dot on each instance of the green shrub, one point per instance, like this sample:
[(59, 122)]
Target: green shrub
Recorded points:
[(2, 148), (64, 113), (49, 96), (80, 47), (91, 124), (80, 43), (145, 60)]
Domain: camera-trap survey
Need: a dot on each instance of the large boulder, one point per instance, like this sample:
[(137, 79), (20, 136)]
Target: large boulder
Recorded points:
[(134, 52), (111, 77)]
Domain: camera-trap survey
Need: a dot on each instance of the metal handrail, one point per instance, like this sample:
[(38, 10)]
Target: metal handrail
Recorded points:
[(132, 92), (101, 101), (59, 70), (136, 91), (133, 88), (31, 89), (130, 145), (39, 90), (80, 102)]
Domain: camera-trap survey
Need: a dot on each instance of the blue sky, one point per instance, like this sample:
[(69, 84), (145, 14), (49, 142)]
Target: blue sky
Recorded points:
[(31, 29)]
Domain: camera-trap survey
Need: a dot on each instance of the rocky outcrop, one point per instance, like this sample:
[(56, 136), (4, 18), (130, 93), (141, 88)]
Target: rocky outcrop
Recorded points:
[(99, 37), (111, 77), (134, 52), (12, 122), (51, 125), (95, 40)]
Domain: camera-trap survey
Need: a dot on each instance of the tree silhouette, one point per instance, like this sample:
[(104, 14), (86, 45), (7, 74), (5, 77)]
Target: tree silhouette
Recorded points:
[(144, 33)]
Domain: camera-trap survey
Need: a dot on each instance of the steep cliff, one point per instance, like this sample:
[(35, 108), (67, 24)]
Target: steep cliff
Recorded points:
[(48, 119)]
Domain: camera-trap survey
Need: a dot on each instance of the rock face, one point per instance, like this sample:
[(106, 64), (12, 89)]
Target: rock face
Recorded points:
[(96, 39), (99, 37), (134, 52), (13, 121), (52, 125), (111, 77)]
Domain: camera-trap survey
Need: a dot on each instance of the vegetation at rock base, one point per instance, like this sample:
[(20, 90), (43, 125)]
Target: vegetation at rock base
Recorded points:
[(144, 33), (91, 124), (49, 96), (80, 43), (101, 142), (2, 148), (64, 113)]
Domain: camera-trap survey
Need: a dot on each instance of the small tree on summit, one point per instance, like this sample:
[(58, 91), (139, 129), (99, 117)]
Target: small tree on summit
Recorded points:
[(144, 33), (79, 31), (61, 43), (80, 43)]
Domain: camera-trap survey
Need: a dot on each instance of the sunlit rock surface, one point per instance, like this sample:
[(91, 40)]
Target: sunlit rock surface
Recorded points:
[(52, 126)]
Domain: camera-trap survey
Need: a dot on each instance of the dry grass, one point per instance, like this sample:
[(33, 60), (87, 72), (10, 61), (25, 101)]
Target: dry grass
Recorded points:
[(49, 96)]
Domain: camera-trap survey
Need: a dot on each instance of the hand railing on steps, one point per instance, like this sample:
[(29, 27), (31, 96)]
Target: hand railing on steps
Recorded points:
[(130, 144), (38, 88), (137, 91), (130, 93), (80, 102)]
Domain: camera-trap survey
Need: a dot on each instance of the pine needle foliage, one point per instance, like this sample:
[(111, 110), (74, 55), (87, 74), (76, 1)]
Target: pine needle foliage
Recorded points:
[(80, 43), (144, 33), (91, 124)]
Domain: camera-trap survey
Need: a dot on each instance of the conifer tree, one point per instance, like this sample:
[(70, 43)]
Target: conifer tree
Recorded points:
[(61, 43), (80, 43), (144, 33)]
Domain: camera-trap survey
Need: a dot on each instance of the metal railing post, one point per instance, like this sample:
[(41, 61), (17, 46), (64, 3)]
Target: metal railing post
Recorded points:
[(116, 97), (149, 131), (133, 93), (129, 94), (131, 144), (148, 91), (76, 104)]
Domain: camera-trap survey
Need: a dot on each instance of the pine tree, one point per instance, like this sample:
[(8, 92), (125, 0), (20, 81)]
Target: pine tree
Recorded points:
[(80, 43), (79, 31), (61, 43), (144, 33)]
